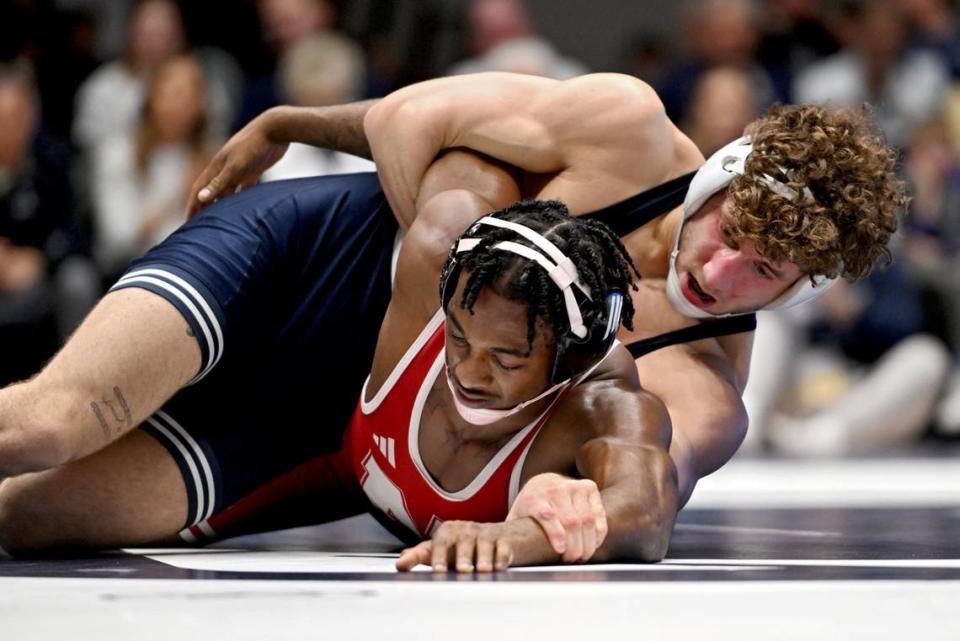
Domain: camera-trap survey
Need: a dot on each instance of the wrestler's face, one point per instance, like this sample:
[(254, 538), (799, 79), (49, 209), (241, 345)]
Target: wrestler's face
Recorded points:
[(722, 274), (490, 362)]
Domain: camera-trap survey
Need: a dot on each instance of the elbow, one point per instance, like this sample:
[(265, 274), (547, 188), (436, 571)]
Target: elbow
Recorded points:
[(31, 438), (32, 448), (376, 118), (395, 113), (647, 539)]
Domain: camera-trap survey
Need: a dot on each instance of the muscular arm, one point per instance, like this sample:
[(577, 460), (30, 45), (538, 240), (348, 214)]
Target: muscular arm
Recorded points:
[(627, 457), (701, 391), (636, 477), (261, 143), (579, 127), (338, 127)]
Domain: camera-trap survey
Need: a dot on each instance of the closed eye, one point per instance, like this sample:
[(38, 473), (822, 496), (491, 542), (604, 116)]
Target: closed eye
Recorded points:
[(728, 238), (764, 272), (507, 368)]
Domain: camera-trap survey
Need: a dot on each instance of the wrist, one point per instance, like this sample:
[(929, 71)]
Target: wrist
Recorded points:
[(279, 124), (530, 543)]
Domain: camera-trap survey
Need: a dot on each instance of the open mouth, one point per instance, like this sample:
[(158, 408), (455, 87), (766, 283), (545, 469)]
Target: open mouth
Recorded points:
[(695, 294)]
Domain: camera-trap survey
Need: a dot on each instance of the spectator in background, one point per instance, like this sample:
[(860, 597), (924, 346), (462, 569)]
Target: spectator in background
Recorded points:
[(723, 105), (645, 56), (47, 284), (794, 34), (871, 379), (502, 38), (932, 241), (320, 69), (908, 86), (936, 28), (58, 44), (717, 32), (111, 99), (141, 177), (284, 24)]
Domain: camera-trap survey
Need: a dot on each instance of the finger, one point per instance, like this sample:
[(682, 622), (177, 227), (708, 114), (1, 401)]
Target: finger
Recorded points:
[(215, 187), (412, 557), (485, 554), (599, 516), (503, 555), (588, 532), (544, 514), (200, 189), (572, 526), (440, 555), (466, 546)]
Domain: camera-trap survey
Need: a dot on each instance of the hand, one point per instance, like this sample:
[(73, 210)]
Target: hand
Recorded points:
[(239, 164), (465, 545), (569, 511)]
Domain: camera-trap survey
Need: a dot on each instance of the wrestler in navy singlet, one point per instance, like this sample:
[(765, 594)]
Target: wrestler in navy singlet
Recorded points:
[(285, 286)]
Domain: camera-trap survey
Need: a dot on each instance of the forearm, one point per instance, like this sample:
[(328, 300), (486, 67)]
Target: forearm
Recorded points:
[(336, 127), (641, 503), (631, 466)]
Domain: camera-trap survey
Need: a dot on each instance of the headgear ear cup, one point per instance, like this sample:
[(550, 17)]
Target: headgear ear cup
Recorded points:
[(576, 355)]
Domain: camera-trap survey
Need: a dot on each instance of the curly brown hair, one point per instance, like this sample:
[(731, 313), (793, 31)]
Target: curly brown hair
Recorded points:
[(848, 168)]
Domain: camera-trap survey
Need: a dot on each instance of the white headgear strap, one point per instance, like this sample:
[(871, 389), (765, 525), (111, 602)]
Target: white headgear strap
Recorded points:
[(717, 173), (562, 271)]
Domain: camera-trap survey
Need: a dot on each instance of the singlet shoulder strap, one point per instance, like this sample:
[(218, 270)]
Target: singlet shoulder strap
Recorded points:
[(712, 329), (636, 211)]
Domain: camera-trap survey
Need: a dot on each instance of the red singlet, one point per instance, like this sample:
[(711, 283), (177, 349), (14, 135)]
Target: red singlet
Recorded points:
[(383, 441)]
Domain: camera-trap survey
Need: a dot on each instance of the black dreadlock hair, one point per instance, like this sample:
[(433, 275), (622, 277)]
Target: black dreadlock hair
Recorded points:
[(601, 260)]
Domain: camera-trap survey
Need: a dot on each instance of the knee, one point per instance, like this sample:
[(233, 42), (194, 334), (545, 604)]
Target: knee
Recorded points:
[(31, 438), (20, 522)]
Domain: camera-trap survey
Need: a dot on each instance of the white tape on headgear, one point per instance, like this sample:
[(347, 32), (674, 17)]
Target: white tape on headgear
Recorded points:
[(562, 271), (717, 173)]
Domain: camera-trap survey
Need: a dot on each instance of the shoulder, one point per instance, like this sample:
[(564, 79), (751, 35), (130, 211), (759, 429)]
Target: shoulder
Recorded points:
[(613, 105)]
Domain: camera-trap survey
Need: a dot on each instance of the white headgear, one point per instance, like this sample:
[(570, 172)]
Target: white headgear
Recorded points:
[(716, 174)]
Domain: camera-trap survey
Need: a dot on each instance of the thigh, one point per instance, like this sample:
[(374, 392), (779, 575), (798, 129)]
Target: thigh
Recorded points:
[(128, 357), (266, 464), (129, 493)]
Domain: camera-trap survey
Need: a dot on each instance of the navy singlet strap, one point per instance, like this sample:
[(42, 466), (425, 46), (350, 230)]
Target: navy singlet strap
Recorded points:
[(638, 210), (635, 212), (712, 329)]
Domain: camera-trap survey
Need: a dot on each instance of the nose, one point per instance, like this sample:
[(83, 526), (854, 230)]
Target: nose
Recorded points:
[(472, 373), (722, 270)]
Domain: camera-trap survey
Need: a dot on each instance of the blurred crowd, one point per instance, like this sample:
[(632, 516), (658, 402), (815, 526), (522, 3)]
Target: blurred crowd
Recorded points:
[(108, 110)]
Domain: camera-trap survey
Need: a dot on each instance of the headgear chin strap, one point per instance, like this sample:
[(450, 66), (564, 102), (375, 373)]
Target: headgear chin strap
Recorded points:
[(716, 174)]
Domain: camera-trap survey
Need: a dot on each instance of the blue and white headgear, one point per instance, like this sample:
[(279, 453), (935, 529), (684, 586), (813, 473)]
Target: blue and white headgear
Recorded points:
[(716, 174)]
